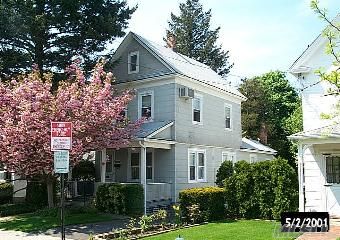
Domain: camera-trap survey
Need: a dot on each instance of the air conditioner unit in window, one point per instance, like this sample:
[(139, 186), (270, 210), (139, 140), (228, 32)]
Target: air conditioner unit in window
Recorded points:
[(185, 92)]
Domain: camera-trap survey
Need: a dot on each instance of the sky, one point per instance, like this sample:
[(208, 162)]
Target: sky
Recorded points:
[(261, 35)]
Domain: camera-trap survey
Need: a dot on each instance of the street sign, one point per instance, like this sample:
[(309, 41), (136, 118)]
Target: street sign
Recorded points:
[(61, 135), (61, 161)]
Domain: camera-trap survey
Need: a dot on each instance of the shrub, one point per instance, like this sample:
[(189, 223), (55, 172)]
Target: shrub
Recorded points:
[(84, 170), (6, 193), (261, 190), (210, 201), (120, 198), (224, 172), (36, 193), (14, 209)]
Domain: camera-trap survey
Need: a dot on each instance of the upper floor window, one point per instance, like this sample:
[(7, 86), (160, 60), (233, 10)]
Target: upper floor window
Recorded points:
[(133, 62), (227, 115), (145, 103), (197, 165), (197, 104)]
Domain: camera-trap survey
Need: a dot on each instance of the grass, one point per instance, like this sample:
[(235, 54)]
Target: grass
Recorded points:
[(235, 230), (46, 219)]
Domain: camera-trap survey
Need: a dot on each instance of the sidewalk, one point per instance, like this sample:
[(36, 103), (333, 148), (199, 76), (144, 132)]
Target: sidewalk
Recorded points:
[(16, 235)]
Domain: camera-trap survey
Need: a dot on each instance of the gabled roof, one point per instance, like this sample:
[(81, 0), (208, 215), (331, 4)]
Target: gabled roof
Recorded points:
[(298, 65), (183, 65), (148, 129), (256, 145), (331, 131)]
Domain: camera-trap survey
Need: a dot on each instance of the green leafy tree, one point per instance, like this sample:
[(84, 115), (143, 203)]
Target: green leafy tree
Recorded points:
[(332, 34), (50, 32), (272, 112), (195, 39), (224, 172)]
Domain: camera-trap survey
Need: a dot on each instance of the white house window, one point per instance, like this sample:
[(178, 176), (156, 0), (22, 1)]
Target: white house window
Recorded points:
[(135, 166), (133, 62), (197, 165), (227, 113), (253, 158), (197, 104), (229, 156), (146, 105), (333, 169)]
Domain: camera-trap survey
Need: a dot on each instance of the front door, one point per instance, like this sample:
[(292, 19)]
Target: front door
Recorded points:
[(332, 187)]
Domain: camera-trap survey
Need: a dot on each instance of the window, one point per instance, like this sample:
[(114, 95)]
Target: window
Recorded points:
[(333, 169), (145, 103), (228, 156), (133, 62), (134, 166), (197, 166), (149, 174), (197, 103), (227, 113), (253, 158)]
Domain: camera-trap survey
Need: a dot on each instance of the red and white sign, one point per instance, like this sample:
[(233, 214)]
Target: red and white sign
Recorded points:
[(61, 136)]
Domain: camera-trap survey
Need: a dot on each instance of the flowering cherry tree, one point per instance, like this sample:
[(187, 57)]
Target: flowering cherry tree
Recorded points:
[(28, 105)]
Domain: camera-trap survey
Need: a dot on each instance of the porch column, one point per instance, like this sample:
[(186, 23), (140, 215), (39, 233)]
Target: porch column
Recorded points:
[(103, 166), (143, 172), (301, 178)]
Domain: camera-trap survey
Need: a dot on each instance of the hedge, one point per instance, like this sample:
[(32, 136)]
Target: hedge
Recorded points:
[(261, 190), (225, 171), (210, 201), (6, 193), (120, 198), (14, 209), (36, 194)]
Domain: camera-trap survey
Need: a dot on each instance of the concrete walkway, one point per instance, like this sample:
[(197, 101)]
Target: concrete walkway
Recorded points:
[(16, 235)]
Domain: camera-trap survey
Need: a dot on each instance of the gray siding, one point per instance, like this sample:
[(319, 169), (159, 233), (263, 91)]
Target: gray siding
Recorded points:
[(148, 64), (164, 99), (121, 173), (260, 156), (212, 132)]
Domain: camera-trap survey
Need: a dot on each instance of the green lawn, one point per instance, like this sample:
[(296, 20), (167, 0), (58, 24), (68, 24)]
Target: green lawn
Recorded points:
[(33, 222), (233, 230)]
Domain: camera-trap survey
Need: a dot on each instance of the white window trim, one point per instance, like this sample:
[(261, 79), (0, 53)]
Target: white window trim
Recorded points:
[(251, 156), (129, 62), (229, 153), (196, 151), (231, 116), (201, 108), (140, 95)]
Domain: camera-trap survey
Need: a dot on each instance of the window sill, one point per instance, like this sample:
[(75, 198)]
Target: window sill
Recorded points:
[(197, 123), (197, 181), (228, 129)]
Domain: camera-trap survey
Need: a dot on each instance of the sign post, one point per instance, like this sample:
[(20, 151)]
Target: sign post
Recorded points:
[(61, 143)]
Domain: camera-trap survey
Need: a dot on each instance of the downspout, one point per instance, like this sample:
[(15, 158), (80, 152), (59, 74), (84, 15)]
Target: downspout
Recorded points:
[(302, 149), (175, 172), (143, 170)]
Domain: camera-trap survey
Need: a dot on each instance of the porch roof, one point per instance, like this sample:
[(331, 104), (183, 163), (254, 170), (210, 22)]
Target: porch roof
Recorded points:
[(256, 145), (149, 129), (331, 131)]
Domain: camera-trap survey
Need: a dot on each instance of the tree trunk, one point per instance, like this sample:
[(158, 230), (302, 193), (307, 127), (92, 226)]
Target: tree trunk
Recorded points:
[(50, 192)]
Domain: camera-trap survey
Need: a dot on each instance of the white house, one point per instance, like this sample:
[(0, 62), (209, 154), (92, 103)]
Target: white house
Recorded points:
[(319, 142)]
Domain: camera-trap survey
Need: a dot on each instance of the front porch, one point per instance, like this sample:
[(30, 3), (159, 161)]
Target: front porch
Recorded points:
[(147, 162)]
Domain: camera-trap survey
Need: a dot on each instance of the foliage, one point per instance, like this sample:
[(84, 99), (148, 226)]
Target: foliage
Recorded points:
[(6, 192), (262, 189), (120, 198), (332, 34), (50, 33), (28, 106), (84, 170), (209, 199), (272, 112), (178, 215), (195, 214), (195, 39), (14, 209), (224, 171), (36, 194), (145, 222)]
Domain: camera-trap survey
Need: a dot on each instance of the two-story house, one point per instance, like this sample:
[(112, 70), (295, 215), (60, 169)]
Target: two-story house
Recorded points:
[(319, 142), (193, 122)]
